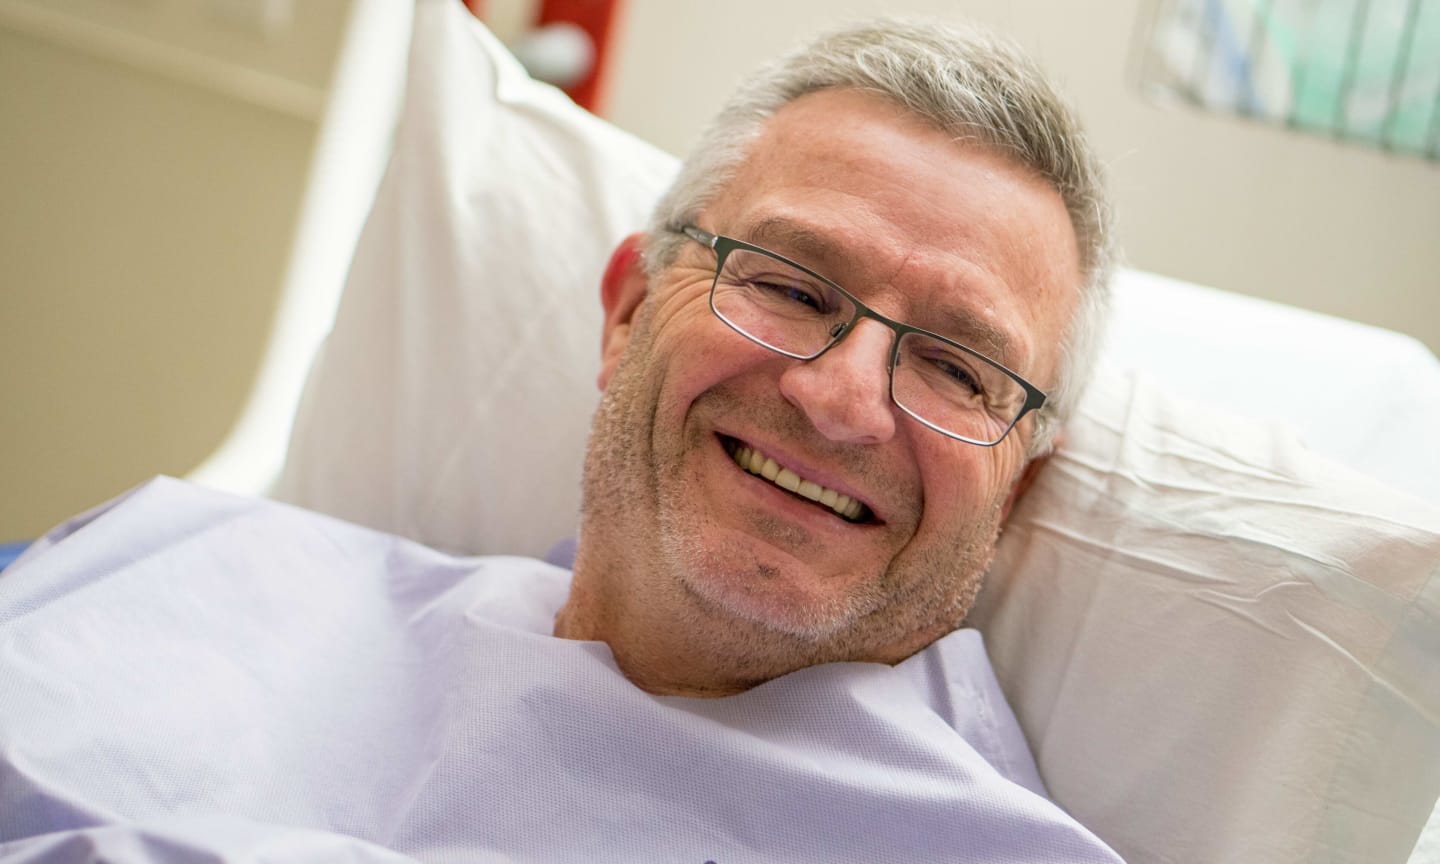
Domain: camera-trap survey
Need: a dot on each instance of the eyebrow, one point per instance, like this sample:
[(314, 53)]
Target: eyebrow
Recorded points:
[(794, 238), (978, 335)]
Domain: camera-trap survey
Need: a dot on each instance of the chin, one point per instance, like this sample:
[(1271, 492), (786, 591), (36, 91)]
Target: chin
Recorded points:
[(774, 592)]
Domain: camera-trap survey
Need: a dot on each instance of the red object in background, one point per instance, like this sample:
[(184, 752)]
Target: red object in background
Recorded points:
[(596, 18)]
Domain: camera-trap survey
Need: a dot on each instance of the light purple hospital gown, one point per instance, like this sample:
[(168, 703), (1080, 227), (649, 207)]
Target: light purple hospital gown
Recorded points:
[(187, 676)]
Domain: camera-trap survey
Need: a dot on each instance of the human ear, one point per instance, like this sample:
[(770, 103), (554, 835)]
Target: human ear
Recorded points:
[(622, 289)]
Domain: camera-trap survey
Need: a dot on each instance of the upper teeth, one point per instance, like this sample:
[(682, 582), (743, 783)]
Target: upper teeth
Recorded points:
[(758, 463)]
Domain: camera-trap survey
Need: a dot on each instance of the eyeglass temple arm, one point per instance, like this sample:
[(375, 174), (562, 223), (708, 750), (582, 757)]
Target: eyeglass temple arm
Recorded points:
[(699, 235)]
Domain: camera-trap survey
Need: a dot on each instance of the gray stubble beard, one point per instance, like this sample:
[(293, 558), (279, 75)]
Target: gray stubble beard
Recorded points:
[(621, 486)]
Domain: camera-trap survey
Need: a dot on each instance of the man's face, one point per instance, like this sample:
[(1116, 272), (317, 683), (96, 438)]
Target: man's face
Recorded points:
[(942, 235)]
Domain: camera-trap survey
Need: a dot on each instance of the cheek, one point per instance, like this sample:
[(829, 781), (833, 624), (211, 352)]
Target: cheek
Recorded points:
[(698, 351), (966, 485)]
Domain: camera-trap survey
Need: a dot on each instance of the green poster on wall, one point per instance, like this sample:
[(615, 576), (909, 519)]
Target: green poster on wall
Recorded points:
[(1367, 71)]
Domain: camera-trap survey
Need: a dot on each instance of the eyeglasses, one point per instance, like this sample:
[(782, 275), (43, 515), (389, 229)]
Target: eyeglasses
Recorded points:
[(794, 311)]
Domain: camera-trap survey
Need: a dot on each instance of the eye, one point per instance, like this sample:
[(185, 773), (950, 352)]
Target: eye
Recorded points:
[(947, 371), (775, 286), (783, 290), (960, 374)]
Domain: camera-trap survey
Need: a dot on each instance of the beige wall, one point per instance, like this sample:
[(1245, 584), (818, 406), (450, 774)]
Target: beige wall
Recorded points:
[(152, 161), (1303, 221)]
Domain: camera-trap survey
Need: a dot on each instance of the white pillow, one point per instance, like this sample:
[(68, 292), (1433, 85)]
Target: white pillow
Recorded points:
[(1366, 397), (1222, 649), (1221, 646), (451, 401)]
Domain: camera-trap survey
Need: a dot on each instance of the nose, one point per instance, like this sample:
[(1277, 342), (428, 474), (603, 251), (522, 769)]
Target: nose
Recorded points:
[(845, 392)]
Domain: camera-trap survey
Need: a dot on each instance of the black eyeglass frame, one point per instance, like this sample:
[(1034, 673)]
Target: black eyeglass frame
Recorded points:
[(722, 246)]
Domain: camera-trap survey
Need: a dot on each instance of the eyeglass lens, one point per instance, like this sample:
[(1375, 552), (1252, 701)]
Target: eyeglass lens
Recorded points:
[(937, 382)]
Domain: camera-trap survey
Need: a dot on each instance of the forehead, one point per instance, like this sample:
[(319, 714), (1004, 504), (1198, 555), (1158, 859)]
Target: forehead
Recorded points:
[(917, 223)]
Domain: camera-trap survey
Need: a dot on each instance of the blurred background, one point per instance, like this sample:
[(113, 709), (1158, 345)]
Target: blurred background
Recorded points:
[(154, 157)]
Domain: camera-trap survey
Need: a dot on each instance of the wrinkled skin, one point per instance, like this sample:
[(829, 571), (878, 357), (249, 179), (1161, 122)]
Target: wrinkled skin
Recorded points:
[(705, 579)]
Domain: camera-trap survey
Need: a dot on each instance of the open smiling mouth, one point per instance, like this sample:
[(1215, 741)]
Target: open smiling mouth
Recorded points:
[(764, 467)]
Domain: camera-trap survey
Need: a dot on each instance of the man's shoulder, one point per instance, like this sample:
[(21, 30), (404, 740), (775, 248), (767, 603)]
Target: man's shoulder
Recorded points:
[(168, 544)]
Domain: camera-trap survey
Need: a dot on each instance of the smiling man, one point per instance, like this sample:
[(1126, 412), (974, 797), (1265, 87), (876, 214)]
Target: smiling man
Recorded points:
[(828, 369), (819, 376)]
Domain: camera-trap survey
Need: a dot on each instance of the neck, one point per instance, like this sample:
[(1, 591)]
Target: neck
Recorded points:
[(672, 648)]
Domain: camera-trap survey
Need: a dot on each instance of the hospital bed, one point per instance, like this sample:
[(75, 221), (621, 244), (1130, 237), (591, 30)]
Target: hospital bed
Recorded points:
[(449, 208)]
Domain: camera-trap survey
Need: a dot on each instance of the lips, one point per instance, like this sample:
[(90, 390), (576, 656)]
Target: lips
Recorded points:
[(766, 468)]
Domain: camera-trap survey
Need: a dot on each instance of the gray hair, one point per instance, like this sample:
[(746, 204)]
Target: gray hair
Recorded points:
[(968, 84)]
